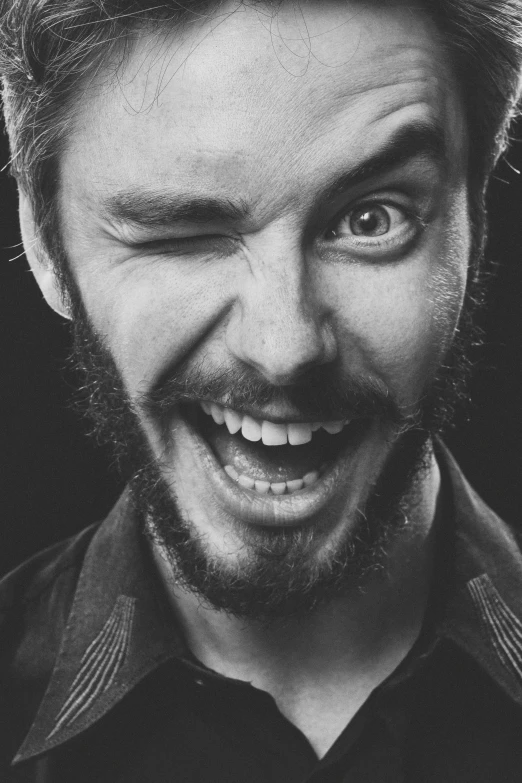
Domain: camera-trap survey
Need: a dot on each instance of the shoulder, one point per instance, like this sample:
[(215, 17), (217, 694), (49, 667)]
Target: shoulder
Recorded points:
[(36, 596), (26, 582), (51, 573), (35, 600)]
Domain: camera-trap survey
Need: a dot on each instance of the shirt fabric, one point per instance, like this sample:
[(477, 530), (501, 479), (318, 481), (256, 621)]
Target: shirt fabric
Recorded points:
[(98, 685)]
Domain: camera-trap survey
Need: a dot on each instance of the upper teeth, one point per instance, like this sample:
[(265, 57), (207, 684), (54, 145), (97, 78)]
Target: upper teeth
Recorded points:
[(266, 431)]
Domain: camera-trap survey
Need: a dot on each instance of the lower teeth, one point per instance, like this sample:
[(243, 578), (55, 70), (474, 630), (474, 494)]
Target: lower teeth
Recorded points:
[(274, 488)]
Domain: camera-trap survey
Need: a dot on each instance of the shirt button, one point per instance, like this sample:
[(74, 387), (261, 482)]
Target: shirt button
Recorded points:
[(199, 682)]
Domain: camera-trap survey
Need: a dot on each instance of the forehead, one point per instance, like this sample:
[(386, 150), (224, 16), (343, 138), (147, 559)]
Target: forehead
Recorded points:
[(251, 99)]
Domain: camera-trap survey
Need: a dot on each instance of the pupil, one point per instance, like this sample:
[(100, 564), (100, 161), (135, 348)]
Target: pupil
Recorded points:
[(369, 221), (373, 221)]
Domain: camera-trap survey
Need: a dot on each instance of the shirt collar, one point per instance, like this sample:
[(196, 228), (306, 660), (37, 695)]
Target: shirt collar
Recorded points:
[(120, 629), (483, 608)]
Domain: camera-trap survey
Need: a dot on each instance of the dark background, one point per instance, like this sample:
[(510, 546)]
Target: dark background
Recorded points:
[(54, 481)]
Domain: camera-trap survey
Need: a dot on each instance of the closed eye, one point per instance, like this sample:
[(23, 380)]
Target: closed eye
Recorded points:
[(201, 244)]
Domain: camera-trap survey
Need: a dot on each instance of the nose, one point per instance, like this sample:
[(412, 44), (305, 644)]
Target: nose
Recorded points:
[(279, 325)]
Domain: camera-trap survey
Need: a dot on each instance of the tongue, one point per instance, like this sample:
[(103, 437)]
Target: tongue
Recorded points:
[(269, 463)]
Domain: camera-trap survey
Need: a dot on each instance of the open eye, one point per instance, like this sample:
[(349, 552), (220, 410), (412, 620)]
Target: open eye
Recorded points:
[(368, 220)]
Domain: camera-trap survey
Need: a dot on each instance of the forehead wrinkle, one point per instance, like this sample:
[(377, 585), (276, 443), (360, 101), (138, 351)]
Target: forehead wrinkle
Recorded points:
[(415, 83)]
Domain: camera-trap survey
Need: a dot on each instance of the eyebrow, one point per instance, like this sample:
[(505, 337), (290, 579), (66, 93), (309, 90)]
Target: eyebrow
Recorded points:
[(157, 208), (420, 139), (152, 208)]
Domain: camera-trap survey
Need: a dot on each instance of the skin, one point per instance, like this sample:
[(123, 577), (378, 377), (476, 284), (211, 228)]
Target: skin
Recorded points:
[(245, 107)]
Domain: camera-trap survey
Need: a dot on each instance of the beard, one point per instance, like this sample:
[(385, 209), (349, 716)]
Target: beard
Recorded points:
[(278, 573)]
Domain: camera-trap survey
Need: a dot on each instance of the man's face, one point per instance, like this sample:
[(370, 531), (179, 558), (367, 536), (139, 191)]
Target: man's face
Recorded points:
[(271, 210)]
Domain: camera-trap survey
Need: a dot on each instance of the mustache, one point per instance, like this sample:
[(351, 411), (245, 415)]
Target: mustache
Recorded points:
[(318, 395)]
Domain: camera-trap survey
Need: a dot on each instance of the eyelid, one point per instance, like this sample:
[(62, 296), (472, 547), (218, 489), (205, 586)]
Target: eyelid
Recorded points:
[(384, 200), (380, 200), (185, 244), (382, 248), (361, 208)]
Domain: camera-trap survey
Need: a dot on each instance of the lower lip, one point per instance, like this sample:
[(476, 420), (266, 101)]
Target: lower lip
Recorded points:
[(299, 508)]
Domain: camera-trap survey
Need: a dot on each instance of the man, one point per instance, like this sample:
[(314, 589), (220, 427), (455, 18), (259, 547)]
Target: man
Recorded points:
[(265, 223)]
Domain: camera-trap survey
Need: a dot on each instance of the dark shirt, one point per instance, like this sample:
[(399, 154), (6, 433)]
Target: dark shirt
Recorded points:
[(99, 686)]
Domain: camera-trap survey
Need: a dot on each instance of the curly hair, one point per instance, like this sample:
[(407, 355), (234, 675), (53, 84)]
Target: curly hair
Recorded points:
[(49, 47)]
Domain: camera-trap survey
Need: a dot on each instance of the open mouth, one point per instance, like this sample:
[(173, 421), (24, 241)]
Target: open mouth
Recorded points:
[(266, 457)]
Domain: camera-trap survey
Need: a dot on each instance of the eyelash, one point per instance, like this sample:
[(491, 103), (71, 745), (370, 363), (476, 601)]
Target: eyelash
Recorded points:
[(217, 244), (415, 222)]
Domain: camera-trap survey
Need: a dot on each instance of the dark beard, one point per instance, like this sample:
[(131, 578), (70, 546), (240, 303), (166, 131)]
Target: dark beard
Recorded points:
[(280, 575)]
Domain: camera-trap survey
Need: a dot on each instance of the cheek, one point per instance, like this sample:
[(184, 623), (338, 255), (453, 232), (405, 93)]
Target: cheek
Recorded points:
[(152, 315), (397, 322)]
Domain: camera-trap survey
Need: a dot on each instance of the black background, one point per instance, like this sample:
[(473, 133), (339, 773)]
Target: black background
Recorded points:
[(53, 481)]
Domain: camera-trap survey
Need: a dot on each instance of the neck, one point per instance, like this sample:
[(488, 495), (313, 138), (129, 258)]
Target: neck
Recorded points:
[(358, 638)]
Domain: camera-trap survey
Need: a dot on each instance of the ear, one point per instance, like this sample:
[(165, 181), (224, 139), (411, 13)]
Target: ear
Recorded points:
[(40, 263)]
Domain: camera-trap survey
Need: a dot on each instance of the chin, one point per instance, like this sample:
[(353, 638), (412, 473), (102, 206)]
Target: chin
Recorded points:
[(307, 548)]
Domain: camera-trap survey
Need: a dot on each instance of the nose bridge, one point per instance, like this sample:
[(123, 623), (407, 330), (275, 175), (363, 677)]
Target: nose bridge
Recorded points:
[(282, 327), (287, 306)]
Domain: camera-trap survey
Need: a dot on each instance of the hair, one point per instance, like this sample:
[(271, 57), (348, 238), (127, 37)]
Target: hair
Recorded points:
[(48, 49)]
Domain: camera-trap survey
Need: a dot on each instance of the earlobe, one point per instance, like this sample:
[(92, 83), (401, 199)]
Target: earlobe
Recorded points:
[(41, 265)]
